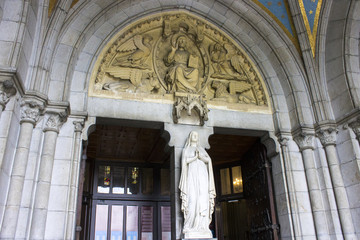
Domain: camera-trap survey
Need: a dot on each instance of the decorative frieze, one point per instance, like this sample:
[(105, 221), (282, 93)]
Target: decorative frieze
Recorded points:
[(31, 110), (327, 136)]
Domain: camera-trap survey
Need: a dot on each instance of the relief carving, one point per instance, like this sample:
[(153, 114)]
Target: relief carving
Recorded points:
[(31, 110), (7, 90), (172, 53)]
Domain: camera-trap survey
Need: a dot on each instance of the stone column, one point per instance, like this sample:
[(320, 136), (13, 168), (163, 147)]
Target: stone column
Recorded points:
[(30, 112), (328, 139), (53, 123), (7, 90), (178, 135), (74, 181), (305, 142), (294, 218)]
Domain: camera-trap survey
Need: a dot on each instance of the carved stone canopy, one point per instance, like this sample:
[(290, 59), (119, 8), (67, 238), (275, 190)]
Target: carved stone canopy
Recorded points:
[(176, 52)]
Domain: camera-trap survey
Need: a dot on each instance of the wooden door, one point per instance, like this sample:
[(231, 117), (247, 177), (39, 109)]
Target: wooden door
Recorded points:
[(258, 191)]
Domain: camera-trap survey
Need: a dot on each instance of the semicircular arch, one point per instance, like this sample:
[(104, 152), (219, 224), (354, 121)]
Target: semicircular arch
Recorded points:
[(278, 65)]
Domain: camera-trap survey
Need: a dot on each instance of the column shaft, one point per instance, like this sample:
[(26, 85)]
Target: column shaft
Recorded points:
[(17, 181), (74, 180), (340, 193), (43, 187), (317, 205)]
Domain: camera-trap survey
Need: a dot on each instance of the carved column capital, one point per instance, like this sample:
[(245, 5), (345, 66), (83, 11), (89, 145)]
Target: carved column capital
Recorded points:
[(78, 126), (327, 136), (31, 110), (355, 126), (7, 90), (54, 121), (283, 141), (305, 141)]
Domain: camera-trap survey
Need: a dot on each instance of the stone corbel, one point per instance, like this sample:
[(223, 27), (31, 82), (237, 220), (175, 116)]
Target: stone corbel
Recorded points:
[(327, 135), (7, 90), (188, 102)]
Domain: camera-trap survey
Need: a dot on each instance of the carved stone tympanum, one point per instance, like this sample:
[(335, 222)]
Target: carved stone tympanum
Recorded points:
[(171, 53)]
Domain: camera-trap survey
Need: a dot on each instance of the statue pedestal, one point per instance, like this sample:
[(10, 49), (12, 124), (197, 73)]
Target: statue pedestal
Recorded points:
[(198, 235)]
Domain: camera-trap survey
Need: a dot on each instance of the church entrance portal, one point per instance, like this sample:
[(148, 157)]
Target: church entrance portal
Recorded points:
[(126, 192), (245, 207)]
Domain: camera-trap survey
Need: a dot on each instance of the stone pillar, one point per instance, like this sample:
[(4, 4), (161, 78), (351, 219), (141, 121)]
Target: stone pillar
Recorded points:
[(327, 137), (30, 112), (53, 123), (74, 181), (305, 142), (294, 218), (7, 90), (178, 135)]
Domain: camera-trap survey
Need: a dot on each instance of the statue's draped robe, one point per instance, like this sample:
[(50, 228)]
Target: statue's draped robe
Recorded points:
[(181, 77), (197, 191)]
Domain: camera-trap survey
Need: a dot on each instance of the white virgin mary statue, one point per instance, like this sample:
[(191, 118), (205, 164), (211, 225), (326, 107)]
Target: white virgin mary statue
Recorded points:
[(197, 189)]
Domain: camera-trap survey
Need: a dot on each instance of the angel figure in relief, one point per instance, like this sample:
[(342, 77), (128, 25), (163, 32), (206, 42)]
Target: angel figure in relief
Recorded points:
[(135, 53), (226, 62)]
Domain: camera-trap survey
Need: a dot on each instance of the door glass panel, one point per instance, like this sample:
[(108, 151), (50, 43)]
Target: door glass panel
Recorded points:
[(147, 222), (117, 222), (225, 181), (132, 221), (133, 180), (165, 223), (237, 179), (165, 181), (104, 179), (101, 221), (118, 180), (147, 181)]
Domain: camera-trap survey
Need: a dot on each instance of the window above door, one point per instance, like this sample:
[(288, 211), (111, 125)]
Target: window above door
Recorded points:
[(126, 180)]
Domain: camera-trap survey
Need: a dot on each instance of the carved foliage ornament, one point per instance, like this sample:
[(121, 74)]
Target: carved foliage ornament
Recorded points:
[(55, 121), (305, 141), (327, 136), (170, 53), (7, 90), (31, 110)]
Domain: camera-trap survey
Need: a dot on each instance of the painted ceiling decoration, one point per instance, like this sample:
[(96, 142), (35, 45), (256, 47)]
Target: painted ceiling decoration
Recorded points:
[(310, 11), (279, 10)]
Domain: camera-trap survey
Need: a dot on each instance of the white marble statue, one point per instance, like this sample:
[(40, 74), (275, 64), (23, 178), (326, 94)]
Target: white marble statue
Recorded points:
[(197, 189)]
